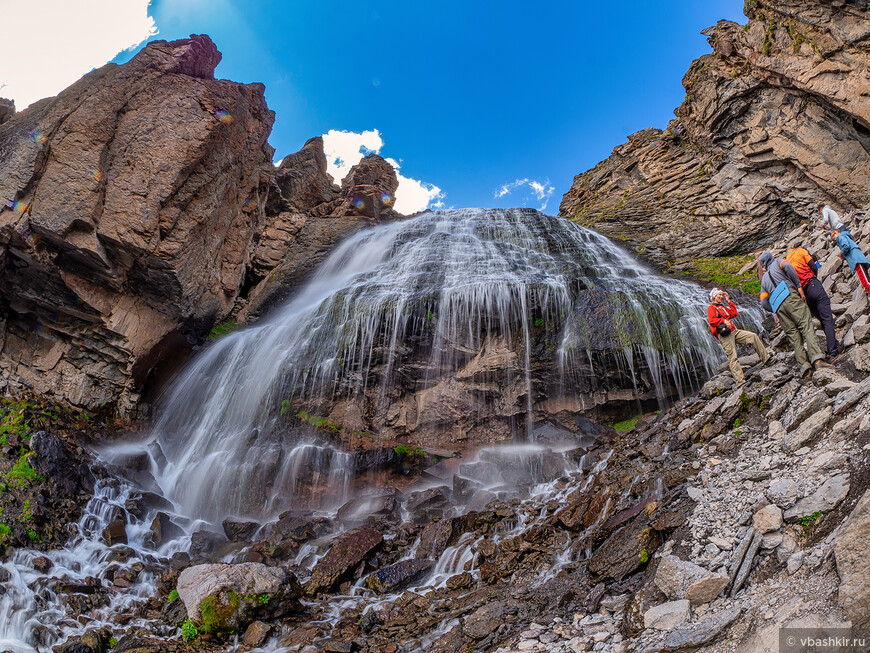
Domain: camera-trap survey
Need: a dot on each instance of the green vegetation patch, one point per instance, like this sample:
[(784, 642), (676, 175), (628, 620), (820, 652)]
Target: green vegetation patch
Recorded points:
[(189, 630), (222, 329), (626, 425), (320, 423), (409, 450), (22, 474), (173, 596), (723, 272)]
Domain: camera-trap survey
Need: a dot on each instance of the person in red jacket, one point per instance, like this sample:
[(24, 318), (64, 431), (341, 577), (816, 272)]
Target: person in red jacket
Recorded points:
[(720, 314)]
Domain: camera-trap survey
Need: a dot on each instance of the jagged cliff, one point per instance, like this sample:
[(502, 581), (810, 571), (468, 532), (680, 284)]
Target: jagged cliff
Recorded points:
[(775, 121), (139, 207)]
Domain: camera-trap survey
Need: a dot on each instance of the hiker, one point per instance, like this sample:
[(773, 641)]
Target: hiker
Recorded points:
[(782, 294), (830, 219), (853, 255), (817, 299), (719, 314)]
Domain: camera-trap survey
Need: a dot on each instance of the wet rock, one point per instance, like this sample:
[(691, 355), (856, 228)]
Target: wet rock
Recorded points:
[(256, 634), (223, 597), (203, 543), (239, 531), (382, 505), (399, 575), (164, 530), (624, 551), (483, 621), (115, 533), (42, 564), (434, 538), (428, 504), (52, 459), (485, 473), (460, 581), (667, 615), (141, 504), (679, 579), (346, 552), (827, 497), (702, 632)]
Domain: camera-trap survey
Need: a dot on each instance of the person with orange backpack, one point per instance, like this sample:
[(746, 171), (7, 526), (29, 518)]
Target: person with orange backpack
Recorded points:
[(817, 299), (783, 295)]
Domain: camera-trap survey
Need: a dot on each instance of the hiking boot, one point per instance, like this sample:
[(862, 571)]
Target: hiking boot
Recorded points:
[(808, 374)]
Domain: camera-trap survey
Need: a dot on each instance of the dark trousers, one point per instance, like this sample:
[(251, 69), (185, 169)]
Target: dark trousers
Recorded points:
[(820, 306)]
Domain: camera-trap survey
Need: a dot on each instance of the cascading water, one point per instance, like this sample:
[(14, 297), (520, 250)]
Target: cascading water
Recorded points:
[(446, 297), (433, 294)]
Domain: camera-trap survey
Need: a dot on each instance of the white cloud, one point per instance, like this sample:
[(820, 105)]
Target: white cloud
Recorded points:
[(345, 149), (542, 190), (48, 44)]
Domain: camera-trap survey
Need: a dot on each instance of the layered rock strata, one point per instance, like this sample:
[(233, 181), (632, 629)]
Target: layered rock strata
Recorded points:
[(775, 121)]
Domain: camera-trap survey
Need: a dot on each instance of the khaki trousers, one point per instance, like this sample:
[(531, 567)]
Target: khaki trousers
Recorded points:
[(795, 319), (741, 337)]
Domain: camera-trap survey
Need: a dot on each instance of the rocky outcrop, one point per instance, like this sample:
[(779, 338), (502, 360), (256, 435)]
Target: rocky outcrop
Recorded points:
[(307, 214), (139, 208), (7, 109), (853, 566), (131, 201), (775, 121)]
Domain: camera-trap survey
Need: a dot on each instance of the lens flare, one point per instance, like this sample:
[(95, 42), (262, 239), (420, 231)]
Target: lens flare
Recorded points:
[(96, 175), (224, 116), (18, 205), (386, 199), (358, 203), (37, 136)]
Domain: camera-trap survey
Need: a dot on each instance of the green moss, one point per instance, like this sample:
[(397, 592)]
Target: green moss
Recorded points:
[(723, 271), (33, 535), (222, 329), (644, 556), (189, 630), (626, 425), (408, 450), (112, 642), (26, 514), (173, 596), (318, 422), (22, 474), (5, 532), (215, 613)]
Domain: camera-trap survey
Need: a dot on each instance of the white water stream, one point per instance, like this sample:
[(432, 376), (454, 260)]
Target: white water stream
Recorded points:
[(455, 278)]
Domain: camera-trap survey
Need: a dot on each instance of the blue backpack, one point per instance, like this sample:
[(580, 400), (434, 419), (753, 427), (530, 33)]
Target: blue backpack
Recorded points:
[(777, 297)]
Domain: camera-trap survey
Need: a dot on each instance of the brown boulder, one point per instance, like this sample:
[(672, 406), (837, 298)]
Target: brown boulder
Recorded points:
[(347, 551)]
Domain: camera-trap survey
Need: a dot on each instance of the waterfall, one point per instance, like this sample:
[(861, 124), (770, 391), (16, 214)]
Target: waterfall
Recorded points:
[(438, 294)]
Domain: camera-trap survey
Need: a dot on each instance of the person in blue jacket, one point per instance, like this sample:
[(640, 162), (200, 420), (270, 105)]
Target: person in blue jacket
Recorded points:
[(853, 255)]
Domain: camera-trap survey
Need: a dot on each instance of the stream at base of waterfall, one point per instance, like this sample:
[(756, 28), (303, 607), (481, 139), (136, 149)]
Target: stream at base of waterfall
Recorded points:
[(452, 329)]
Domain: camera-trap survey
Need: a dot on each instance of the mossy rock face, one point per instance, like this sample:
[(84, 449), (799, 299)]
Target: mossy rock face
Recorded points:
[(220, 612), (222, 598)]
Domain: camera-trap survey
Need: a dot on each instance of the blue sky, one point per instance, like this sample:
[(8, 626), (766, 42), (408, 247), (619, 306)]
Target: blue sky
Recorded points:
[(468, 96)]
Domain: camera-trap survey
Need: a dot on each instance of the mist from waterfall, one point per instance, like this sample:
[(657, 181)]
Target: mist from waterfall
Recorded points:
[(449, 278)]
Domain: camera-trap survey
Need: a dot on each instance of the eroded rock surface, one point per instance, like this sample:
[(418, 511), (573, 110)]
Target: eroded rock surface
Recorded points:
[(129, 204), (775, 121)]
